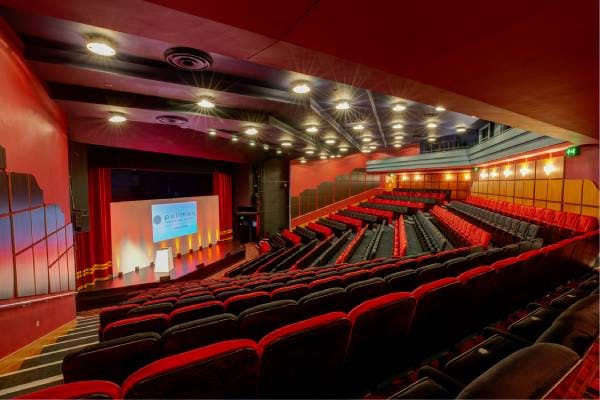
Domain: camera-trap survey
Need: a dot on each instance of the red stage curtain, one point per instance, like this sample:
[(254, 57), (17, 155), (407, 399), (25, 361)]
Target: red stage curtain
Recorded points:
[(222, 188), (94, 251)]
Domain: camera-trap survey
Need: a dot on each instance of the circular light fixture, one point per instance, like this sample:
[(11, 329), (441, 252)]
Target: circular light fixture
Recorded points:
[(252, 143), (397, 145), (366, 139), (372, 147), (366, 150), (206, 102), (286, 143), (212, 132), (432, 125), (234, 139), (301, 87), (342, 105), (399, 136), (397, 126), (431, 139), (323, 156), (524, 171), (265, 147), (251, 131), (171, 119), (461, 129), (302, 161), (358, 127), (310, 152), (549, 168), (312, 129), (440, 109), (117, 118), (507, 172), (494, 173), (101, 46), (343, 149), (278, 151), (399, 107), (330, 141)]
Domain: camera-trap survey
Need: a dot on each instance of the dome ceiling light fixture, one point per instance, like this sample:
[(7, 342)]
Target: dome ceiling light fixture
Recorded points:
[(117, 118), (188, 59), (301, 87), (398, 107), (172, 120), (312, 129), (206, 102), (251, 131), (342, 105), (358, 127), (286, 143), (101, 46)]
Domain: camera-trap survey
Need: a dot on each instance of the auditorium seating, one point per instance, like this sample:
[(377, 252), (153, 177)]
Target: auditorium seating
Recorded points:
[(368, 218), (429, 235), (397, 210), (400, 241), (396, 196), (355, 223), (306, 234), (349, 250), (337, 226), (440, 194), (462, 229), (291, 237), (433, 314), (321, 230), (392, 201), (380, 214)]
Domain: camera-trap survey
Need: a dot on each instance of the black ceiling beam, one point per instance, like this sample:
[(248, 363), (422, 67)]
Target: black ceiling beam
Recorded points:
[(376, 115), (317, 109), (287, 128), (51, 52)]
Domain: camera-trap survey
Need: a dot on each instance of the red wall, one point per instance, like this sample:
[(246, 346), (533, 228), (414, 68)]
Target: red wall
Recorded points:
[(585, 165), (33, 135), (311, 174)]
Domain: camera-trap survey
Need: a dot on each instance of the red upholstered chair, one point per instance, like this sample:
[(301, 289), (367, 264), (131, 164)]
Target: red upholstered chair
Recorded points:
[(146, 323), (239, 303), (257, 321), (511, 281), (223, 370), (115, 313), (479, 288), (77, 390), (325, 283), (200, 332), (171, 300), (195, 311), (380, 328), (355, 276), (304, 359), (292, 292)]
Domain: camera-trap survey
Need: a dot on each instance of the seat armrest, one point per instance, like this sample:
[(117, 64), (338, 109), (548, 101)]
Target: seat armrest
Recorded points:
[(452, 385)]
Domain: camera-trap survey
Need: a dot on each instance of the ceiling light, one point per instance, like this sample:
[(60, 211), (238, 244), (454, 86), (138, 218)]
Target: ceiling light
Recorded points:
[(399, 107), (432, 125), (461, 129), (399, 136), (252, 143), (117, 118), (330, 141), (265, 147), (101, 46), (212, 132), (397, 145), (278, 151), (358, 127), (310, 152), (342, 105), (343, 149), (301, 88), (338, 156), (312, 129), (440, 109), (234, 139), (332, 156), (302, 161), (372, 147), (366, 139), (251, 131), (431, 139), (206, 102), (397, 126), (286, 143), (366, 150), (323, 156)]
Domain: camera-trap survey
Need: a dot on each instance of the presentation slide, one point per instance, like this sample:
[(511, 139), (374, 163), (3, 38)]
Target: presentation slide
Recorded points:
[(172, 220)]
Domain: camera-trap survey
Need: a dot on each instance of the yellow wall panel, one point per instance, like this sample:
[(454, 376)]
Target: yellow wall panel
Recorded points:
[(541, 189), (493, 187), (572, 208), (590, 193), (502, 188), (593, 211), (555, 190), (538, 203), (483, 187), (572, 191), (519, 188), (528, 186), (554, 206), (510, 188), (518, 200), (528, 202)]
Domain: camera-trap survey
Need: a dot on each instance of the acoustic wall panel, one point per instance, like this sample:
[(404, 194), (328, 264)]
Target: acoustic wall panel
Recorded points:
[(38, 224), (52, 248), (324, 194), (3, 192), (7, 279), (294, 206), (19, 192), (64, 273), (62, 241), (22, 230), (54, 274), (25, 274), (40, 262), (590, 194), (51, 225), (36, 196), (71, 266)]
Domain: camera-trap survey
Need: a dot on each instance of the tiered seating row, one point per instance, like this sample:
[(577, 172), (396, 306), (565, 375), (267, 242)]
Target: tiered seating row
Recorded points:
[(561, 222), (346, 350), (349, 250), (291, 237), (432, 238), (383, 214), (463, 229), (336, 226), (440, 195), (355, 223), (323, 231), (312, 255), (306, 234), (419, 205), (392, 196), (397, 210), (504, 229), (326, 257), (400, 242), (368, 218)]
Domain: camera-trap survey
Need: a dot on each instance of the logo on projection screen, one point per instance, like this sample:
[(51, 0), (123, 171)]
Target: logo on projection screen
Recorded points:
[(173, 220)]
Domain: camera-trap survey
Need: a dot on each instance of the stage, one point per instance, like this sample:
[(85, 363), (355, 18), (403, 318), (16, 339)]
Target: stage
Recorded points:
[(197, 265)]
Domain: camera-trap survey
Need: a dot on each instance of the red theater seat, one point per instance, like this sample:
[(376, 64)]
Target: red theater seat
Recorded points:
[(200, 332), (77, 390), (146, 323), (115, 313), (195, 311), (325, 283), (223, 370), (304, 359), (292, 292), (259, 320), (239, 303)]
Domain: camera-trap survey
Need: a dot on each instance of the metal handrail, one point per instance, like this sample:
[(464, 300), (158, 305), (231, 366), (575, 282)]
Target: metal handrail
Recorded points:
[(33, 301)]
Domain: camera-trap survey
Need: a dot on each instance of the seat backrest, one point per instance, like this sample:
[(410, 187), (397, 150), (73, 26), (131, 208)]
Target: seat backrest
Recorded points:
[(365, 290), (159, 308), (222, 296), (325, 283), (183, 302), (304, 359), (222, 370), (115, 313), (402, 281), (332, 299), (146, 323), (77, 390), (431, 272), (112, 360), (257, 321), (199, 332), (290, 292), (355, 276), (456, 266), (195, 311), (239, 303)]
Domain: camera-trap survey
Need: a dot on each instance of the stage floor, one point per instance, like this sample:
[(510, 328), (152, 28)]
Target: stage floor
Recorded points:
[(184, 265)]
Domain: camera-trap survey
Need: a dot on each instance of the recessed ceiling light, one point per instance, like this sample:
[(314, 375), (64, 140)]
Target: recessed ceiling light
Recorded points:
[(312, 129), (286, 143), (212, 132), (330, 141), (342, 105), (440, 109), (332, 156), (472, 116), (301, 87), (432, 125), (399, 107), (278, 151), (366, 139), (101, 46), (358, 127), (399, 136), (343, 149), (431, 139), (372, 147), (397, 145), (206, 102), (302, 161), (251, 131), (265, 147), (366, 150), (397, 126), (323, 156), (117, 118), (310, 152), (252, 143), (461, 129), (338, 156), (234, 139)]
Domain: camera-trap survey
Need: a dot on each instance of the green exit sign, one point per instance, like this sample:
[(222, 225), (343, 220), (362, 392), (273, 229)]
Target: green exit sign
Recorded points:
[(572, 151)]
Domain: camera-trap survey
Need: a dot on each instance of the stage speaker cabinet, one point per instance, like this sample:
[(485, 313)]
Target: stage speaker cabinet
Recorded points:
[(163, 261)]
